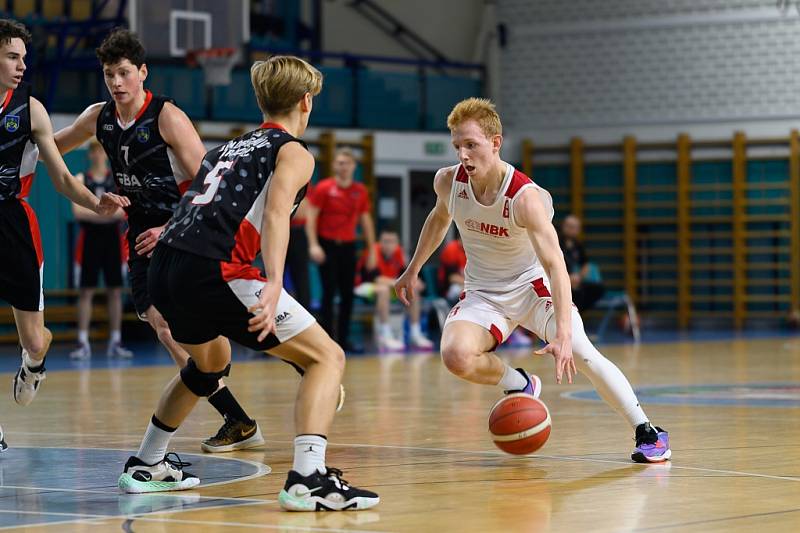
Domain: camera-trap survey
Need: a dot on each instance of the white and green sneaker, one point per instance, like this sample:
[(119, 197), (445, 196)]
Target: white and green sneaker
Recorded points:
[(167, 475)]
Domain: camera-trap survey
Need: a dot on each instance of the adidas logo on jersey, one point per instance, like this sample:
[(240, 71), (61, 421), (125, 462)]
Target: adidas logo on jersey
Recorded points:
[(463, 194), (487, 229)]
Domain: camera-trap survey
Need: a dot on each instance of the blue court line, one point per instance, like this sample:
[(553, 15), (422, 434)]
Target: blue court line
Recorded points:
[(707, 394)]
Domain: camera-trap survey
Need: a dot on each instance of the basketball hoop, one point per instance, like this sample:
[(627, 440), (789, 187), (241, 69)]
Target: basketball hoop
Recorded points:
[(217, 64)]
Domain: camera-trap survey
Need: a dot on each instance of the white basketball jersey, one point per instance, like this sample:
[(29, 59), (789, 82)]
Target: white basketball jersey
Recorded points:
[(500, 255)]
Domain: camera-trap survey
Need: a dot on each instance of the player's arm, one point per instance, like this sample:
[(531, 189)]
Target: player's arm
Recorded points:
[(64, 182), (368, 227), (82, 214), (529, 212), (80, 131), (179, 133), (315, 251), (432, 234), (293, 169)]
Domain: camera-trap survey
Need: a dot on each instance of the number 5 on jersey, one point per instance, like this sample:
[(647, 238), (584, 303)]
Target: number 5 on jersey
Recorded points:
[(212, 181)]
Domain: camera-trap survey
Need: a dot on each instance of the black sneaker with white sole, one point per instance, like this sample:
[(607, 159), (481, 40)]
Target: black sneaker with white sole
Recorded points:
[(3, 445), (324, 492), (234, 435), (26, 382), (139, 477)]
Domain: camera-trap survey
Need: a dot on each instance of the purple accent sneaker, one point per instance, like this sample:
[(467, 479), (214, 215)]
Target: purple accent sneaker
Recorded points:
[(534, 386), (652, 444)]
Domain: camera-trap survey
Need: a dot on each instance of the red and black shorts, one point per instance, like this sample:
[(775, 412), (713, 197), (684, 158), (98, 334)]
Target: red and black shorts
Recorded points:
[(200, 304), (98, 251), (21, 257)]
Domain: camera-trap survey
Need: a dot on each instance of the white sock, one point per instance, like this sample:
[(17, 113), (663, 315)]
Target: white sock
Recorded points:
[(416, 330), (154, 444), (512, 380), (116, 337), (385, 330), (30, 362), (83, 337), (309, 454), (609, 381)]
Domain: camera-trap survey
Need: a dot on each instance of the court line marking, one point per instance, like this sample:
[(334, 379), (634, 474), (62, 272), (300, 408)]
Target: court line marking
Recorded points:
[(95, 518), (261, 468), (466, 452), (715, 520), (110, 491)]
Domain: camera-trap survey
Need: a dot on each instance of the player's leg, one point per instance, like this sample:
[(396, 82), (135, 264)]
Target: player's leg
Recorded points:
[(150, 470), (239, 431), (85, 295), (652, 443), (115, 347), (346, 280), (416, 337), (328, 274), (34, 340), (474, 328), (112, 275), (383, 298), (311, 485)]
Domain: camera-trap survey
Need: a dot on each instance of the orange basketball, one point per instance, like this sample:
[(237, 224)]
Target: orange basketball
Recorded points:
[(519, 424)]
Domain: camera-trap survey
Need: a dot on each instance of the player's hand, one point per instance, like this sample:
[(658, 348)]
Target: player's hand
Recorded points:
[(561, 348), (264, 310), (109, 203), (405, 286), (372, 260), (317, 254), (146, 241)]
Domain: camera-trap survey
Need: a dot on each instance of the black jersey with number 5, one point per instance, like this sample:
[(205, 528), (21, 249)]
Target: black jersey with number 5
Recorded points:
[(141, 162), (220, 215)]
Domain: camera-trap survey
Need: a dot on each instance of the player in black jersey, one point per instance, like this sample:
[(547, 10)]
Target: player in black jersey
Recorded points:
[(203, 279), (25, 135), (154, 151), (98, 251)]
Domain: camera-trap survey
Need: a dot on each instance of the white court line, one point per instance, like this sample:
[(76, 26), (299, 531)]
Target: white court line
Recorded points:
[(261, 468), (94, 517), (111, 491)]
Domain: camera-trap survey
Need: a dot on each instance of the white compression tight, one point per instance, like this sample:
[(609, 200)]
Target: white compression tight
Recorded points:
[(608, 380)]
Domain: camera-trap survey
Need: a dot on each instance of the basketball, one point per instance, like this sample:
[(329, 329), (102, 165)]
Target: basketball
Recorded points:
[(519, 424)]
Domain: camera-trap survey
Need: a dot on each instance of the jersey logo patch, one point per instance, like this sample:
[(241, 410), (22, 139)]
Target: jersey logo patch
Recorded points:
[(11, 123), (143, 134), (463, 194), (487, 229), (108, 127)]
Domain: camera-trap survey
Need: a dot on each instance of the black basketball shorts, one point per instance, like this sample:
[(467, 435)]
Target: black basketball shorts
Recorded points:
[(200, 304), (21, 257), (98, 251)]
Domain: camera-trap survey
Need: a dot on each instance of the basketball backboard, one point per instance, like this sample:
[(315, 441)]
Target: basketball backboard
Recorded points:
[(170, 28)]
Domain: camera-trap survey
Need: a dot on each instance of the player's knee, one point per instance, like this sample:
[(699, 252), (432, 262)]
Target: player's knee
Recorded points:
[(458, 359), (335, 358), (202, 383)]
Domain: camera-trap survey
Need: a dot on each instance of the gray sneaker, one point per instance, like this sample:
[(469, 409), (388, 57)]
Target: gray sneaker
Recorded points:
[(26, 383)]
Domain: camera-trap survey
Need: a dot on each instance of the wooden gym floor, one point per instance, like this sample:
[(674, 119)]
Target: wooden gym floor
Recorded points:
[(418, 436)]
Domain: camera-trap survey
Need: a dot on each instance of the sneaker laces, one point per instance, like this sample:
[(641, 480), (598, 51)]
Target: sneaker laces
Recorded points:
[(226, 429), (174, 460), (335, 475)]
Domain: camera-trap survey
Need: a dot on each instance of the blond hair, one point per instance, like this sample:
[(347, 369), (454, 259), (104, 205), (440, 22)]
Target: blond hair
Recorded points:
[(346, 152), (481, 110), (282, 81), (94, 144)]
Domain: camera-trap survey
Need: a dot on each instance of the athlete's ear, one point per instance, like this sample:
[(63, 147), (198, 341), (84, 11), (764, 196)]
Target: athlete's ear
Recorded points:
[(143, 72), (306, 103), (497, 142)]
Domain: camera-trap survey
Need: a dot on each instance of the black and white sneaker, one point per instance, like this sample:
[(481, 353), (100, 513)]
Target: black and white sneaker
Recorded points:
[(324, 492), (3, 445), (139, 477), (26, 383)]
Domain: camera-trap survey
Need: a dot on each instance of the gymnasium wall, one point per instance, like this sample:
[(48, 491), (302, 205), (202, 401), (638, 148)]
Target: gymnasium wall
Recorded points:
[(649, 68)]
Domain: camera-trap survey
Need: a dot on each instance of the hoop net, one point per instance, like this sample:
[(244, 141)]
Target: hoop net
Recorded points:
[(217, 64)]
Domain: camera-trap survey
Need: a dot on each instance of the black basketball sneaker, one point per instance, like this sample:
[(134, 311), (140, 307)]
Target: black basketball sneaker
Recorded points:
[(234, 435), (324, 492), (3, 445)]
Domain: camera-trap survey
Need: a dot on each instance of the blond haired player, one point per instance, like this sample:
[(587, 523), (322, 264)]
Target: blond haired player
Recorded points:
[(203, 281), (515, 276)]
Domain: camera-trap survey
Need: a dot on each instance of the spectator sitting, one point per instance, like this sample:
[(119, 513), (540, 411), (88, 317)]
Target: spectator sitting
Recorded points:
[(585, 292), (390, 262)]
